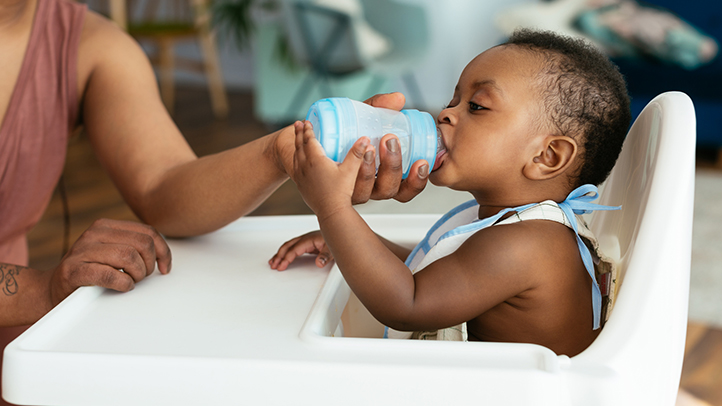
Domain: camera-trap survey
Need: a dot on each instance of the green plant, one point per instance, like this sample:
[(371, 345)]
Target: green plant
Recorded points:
[(235, 19)]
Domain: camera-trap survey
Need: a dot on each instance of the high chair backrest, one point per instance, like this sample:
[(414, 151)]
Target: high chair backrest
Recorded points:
[(641, 347)]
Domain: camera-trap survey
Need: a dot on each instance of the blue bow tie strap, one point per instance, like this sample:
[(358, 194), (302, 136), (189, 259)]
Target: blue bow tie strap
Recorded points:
[(579, 202)]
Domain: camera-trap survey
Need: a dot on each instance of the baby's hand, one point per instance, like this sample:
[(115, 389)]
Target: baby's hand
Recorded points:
[(326, 186), (311, 243)]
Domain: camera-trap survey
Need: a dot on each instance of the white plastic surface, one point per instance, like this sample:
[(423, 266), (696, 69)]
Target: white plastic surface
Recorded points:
[(653, 181), (223, 328)]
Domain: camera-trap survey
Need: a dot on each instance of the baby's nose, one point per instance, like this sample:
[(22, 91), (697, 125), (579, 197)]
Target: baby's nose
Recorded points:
[(445, 117)]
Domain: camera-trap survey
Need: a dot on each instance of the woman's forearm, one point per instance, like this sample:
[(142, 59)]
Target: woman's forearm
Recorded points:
[(209, 192), (24, 295)]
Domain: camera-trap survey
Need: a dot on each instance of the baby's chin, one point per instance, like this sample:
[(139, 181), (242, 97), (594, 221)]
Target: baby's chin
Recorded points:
[(436, 179)]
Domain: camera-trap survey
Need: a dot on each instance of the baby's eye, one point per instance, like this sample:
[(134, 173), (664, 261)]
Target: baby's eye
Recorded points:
[(475, 107)]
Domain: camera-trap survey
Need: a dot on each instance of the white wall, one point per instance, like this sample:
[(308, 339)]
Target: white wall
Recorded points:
[(460, 30)]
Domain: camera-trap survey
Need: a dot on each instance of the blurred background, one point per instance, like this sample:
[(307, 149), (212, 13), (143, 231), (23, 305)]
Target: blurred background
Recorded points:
[(231, 71)]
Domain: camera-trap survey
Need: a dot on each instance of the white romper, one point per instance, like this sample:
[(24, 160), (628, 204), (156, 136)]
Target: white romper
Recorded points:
[(456, 226)]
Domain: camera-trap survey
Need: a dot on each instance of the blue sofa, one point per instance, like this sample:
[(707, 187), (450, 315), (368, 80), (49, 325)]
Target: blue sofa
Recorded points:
[(647, 79)]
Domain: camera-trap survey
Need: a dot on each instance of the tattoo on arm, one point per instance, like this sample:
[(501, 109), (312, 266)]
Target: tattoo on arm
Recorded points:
[(8, 283)]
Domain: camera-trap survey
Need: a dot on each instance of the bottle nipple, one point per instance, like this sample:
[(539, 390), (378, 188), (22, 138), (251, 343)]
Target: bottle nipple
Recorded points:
[(439, 142), (440, 150)]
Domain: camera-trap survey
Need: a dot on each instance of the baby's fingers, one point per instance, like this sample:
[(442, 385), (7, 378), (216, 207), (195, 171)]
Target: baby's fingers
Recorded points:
[(324, 256), (355, 157), (298, 127), (309, 151), (290, 251), (305, 138), (281, 253)]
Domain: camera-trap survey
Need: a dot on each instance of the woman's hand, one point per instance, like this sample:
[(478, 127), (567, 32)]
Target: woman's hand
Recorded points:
[(310, 243), (388, 183), (370, 185), (113, 254)]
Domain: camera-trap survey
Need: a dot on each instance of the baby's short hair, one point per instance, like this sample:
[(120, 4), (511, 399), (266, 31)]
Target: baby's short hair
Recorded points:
[(584, 96)]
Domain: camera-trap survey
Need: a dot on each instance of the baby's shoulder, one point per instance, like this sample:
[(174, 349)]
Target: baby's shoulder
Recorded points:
[(528, 235), (526, 245)]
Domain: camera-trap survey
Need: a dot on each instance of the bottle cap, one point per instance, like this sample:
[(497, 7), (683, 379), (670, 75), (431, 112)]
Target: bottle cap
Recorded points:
[(424, 140), (329, 117)]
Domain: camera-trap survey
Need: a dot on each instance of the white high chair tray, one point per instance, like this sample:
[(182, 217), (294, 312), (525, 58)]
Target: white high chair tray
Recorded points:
[(224, 328)]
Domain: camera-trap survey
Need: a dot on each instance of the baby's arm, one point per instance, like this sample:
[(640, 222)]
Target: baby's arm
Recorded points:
[(484, 272)]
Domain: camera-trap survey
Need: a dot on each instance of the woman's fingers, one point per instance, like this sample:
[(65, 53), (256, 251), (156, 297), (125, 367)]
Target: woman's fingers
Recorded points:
[(144, 239), (365, 178), (393, 101), (414, 183), (391, 168), (113, 254)]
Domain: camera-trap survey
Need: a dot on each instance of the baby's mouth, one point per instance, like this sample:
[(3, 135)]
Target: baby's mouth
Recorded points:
[(440, 150)]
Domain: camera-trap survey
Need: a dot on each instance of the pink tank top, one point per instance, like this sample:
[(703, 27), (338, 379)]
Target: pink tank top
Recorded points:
[(34, 133)]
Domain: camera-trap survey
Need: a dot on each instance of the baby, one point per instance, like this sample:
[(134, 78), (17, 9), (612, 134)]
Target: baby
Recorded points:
[(533, 125)]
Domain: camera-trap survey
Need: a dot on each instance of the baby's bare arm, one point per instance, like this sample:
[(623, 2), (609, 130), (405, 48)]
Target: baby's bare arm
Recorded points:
[(491, 267), (452, 290), (523, 265), (401, 252)]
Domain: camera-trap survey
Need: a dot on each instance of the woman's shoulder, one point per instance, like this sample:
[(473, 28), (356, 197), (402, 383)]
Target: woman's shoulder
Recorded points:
[(103, 44)]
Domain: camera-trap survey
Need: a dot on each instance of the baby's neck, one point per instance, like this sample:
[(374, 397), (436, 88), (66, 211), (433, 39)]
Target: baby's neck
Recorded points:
[(490, 205)]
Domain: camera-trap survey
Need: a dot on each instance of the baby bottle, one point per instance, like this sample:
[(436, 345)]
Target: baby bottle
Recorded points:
[(338, 122)]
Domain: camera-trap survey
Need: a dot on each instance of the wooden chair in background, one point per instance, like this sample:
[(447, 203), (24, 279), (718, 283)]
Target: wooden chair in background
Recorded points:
[(181, 20)]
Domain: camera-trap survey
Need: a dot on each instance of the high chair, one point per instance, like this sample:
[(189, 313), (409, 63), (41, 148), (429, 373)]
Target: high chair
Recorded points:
[(224, 328), (637, 358), (638, 355)]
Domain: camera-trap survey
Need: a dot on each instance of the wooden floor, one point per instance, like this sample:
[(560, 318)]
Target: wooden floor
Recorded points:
[(92, 196)]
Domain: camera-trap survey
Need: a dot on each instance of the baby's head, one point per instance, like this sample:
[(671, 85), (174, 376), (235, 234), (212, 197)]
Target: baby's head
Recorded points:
[(583, 96), (538, 107)]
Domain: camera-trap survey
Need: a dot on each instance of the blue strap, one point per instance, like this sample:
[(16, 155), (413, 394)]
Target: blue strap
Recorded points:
[(425, 245), (579, 202), (483, 223)]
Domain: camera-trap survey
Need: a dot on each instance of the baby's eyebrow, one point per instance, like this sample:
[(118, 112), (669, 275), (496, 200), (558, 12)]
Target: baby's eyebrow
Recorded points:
[(489, 83)]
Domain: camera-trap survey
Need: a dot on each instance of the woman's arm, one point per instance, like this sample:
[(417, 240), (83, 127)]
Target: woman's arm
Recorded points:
[(24, 298), (147, 157), (157, 172)]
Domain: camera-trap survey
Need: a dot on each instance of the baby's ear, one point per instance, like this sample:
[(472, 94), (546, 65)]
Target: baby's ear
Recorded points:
[(555, 155)]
